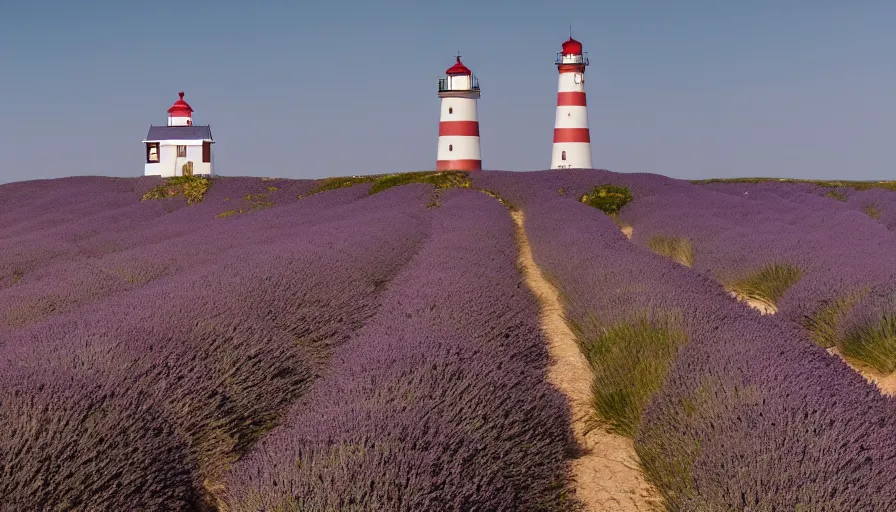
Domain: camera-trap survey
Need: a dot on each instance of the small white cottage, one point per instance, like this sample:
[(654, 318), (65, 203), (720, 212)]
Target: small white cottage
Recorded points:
[(181, 148)]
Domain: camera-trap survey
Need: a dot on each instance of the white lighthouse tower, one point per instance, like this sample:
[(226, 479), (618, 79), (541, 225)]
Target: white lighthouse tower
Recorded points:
[(181, 148), (572, 138), (459, 121)]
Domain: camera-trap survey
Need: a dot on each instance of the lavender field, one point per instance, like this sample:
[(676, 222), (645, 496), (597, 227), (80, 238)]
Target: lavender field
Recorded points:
[(370, 343)]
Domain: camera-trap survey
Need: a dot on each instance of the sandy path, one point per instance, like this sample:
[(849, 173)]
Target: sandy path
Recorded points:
[(606, 474), (763, 307)]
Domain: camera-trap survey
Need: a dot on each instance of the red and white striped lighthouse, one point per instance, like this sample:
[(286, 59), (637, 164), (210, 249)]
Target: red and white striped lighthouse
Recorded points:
[(459, 121), (572, 139)]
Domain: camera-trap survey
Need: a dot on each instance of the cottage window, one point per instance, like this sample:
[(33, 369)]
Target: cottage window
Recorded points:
[(152, 152), (181, 151), (206, 152)]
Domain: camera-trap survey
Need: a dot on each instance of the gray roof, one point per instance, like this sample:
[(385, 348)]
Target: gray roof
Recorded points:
[(194, 132)]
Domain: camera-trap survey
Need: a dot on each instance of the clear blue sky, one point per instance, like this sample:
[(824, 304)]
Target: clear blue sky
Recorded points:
[(688, 89)]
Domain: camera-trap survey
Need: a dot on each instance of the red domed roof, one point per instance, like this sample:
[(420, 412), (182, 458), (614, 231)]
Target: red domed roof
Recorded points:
[(458, 69), (180, 108), (572, 47)]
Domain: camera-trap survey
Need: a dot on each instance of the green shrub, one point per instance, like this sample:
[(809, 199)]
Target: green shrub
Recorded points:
[(839, 196), (193, 188), (677, 248), (874, 345), (872, 210), (769, 283), (441, 179), (607, 198), (822, 324), (630, 361)]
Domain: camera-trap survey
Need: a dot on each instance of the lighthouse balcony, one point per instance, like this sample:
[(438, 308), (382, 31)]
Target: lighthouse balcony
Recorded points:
[(459, 84), (572, 58)]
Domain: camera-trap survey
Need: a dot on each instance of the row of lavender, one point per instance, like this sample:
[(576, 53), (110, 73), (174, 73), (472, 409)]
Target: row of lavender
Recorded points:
[(846, 291), (439, 402), (750, 414), (139, 396)]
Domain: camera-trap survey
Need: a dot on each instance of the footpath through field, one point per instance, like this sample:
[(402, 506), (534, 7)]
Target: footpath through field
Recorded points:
[(607, 475)]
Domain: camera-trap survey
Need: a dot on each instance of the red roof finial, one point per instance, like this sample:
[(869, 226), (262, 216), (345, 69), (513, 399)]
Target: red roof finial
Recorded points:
[(180, 108), (458, 68)]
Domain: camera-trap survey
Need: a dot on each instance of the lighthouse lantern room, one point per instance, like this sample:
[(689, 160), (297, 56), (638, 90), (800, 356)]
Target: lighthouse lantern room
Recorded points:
[(181, 148), (572, 138), (458, 147)]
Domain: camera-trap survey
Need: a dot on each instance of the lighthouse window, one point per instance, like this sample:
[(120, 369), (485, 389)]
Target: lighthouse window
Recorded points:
[(450, 110), (563, 155), (152, 152), (450, 147), (181, 151)]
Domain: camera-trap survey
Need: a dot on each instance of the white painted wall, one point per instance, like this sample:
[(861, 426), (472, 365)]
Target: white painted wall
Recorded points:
[(462, 109), (568, 82), (571, 117), (170, 165), (461, 148), (578, 155), (180, 121)]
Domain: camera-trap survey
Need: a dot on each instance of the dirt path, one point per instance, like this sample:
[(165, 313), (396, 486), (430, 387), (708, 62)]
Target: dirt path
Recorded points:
[(607, 476), (763, 307)]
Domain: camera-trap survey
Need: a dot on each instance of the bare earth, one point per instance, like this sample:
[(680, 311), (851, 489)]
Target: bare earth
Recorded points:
[(628, 231), (606, 474), (763, 307)]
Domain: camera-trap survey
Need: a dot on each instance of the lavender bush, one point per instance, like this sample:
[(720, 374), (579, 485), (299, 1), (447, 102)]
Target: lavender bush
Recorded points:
[(215, 350), (752, 414), (438, 403)]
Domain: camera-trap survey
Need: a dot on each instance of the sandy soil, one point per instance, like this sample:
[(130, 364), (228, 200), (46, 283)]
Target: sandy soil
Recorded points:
[(606, 473), (763, 307), (885, 383)]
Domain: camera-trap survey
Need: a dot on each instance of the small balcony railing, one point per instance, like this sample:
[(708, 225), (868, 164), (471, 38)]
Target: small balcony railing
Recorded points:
[(444, 85), (570, 59)]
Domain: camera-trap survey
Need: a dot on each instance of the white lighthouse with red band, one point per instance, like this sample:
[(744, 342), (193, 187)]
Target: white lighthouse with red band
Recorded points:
[(459, 121), (572, 139)]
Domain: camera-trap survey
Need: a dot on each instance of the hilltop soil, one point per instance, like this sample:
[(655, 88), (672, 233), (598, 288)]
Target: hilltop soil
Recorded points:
[(606, 473)]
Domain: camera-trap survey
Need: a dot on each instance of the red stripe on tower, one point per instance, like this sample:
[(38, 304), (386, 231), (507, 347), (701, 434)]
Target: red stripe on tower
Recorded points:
[(460, 128), (458, 165), (572, 135), (571, 99)]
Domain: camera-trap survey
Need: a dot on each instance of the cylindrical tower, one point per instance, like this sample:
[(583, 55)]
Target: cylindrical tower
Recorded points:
[(459, 121), (572, 139)]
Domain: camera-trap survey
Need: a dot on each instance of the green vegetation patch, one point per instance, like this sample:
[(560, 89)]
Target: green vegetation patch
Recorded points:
[(675, 247), (381, 182), (607, 198), (839, 196), (872, 210), (769, 283), (193, 188), (822, 324), (630, 361), (256, 202), (874, 345), (856, 185)]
